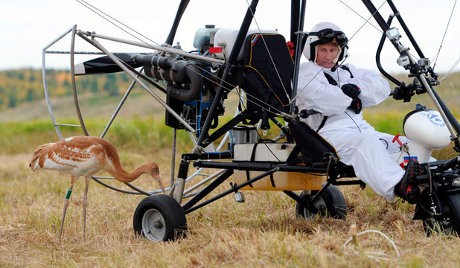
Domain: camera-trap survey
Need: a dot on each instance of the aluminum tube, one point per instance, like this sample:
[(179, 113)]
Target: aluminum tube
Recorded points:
[(134, 76), (117, 110), (45, 84), (154, 47), (74, 86)]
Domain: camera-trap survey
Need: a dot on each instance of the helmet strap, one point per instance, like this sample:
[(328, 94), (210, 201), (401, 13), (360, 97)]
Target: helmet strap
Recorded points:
[(316, 54), (336, 60)]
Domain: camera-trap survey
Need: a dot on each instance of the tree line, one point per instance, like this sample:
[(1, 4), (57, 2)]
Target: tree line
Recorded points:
[(26, 85)]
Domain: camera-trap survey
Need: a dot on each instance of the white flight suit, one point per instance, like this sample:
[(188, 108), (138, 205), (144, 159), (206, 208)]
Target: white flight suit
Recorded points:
[(357, 143)]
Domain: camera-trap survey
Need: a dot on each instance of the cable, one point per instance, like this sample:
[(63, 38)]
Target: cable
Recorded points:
[(107, 17), (353, 121), (349, 39), (451, 70), (270, 55), (112, 20), (366, 20), (444, 35)]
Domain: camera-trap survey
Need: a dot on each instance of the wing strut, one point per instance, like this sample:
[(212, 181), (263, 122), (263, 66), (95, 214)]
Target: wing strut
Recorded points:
[(297, 19), (180, 11), (229, 64)]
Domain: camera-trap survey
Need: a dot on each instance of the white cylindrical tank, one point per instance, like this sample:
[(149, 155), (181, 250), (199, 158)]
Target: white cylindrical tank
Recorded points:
[(225, 38), (426, 131), (427, 128)]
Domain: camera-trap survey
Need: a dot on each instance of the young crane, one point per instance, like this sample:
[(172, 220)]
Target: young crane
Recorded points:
[(85, 156)]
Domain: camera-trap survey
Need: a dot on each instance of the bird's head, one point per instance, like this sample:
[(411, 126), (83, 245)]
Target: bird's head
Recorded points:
[(152, 169)]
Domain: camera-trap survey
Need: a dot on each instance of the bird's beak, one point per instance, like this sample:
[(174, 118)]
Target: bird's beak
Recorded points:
[(160, 181)]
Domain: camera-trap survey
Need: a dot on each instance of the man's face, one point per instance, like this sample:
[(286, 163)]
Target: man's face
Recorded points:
[(326, 54)]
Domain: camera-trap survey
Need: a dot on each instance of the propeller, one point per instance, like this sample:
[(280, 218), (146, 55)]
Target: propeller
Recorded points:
[(105, 64)]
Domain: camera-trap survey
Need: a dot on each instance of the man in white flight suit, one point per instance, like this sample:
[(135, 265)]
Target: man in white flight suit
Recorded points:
[(337, 94)]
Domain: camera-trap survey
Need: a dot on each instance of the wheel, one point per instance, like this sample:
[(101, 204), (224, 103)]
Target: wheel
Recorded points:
[(448, 220), (159, 218), (330, 204)]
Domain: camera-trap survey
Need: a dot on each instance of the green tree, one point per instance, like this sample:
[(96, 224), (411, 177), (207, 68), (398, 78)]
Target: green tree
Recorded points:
[(93, 85), (12, 99), (68, 87), (32, 77), (110, 85), (30, 95)]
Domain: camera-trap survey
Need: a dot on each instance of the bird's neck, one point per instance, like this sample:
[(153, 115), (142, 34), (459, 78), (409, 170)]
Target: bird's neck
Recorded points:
[(124, 176)]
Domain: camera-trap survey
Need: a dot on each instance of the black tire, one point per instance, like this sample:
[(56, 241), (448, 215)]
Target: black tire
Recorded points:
[(448, 222), (330, 204), (159, 218)]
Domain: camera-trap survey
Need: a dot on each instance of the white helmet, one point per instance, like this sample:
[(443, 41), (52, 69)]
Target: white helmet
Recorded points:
[(322, 33)]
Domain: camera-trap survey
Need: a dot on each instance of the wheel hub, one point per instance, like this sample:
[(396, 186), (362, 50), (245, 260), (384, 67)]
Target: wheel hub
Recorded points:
[(153, 225), (158, 224)]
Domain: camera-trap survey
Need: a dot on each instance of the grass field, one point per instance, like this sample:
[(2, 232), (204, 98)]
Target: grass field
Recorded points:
[(262, 232)]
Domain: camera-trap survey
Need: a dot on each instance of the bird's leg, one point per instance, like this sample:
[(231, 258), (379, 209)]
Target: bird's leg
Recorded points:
[(85, 201), (66, 203)]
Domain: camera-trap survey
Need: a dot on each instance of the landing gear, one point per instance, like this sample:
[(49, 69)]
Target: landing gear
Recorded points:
[(439, 214), (330, 204), (159, 218)]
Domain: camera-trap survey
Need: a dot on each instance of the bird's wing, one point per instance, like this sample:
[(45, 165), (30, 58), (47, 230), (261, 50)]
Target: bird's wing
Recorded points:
[(65, 155)]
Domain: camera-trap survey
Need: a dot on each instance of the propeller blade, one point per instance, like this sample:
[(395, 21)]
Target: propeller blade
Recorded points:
[(105, 64)]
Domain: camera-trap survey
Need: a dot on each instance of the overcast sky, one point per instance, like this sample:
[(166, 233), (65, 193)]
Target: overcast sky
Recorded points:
[(27, 26)]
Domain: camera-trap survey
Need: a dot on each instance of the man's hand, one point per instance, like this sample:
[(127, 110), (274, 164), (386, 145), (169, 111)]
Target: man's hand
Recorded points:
[(353, 92), (356, 105)]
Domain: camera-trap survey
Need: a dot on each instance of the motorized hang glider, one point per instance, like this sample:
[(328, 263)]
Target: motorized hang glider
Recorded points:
[(262, 68)]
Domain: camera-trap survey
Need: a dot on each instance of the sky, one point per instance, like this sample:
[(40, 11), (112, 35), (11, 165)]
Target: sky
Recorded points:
[(28, 26)]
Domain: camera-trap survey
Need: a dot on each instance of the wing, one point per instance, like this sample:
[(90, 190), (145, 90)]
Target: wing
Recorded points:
[(73, 155)]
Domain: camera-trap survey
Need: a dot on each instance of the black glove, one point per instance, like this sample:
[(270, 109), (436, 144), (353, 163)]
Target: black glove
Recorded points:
[(404, 92), (356, 105), (351, 90)]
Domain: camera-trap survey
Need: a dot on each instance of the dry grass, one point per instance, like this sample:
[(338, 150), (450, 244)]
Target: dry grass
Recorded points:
[(262, 232)]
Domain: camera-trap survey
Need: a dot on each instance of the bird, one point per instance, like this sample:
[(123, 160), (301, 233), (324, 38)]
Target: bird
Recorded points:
[(85, 156)]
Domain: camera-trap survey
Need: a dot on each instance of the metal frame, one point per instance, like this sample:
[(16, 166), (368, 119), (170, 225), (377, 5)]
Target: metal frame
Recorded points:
[(204, 160), (135, 76), (178, 189)]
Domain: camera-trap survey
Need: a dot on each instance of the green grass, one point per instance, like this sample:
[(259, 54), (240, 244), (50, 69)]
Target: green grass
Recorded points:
[(136, 134), (141, 134)]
